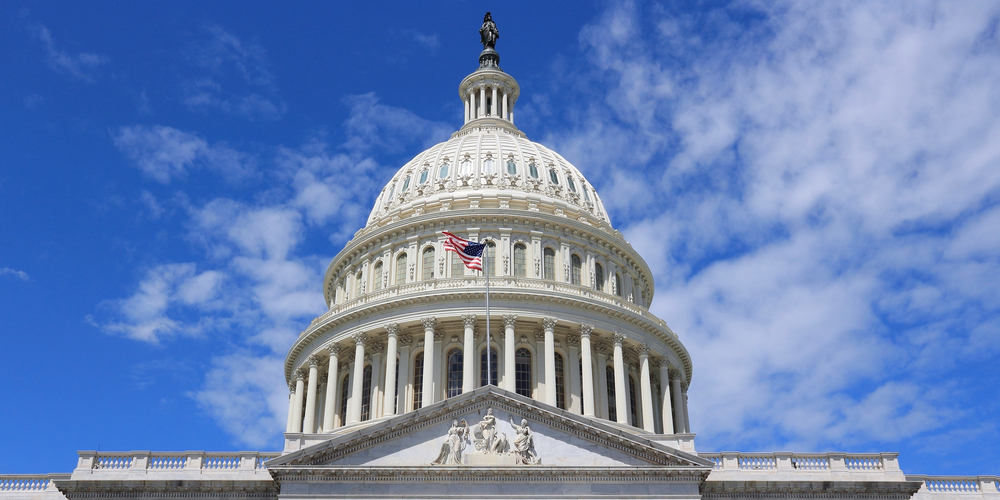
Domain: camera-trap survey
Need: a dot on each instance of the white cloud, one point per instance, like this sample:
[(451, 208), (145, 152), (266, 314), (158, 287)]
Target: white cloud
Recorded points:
[(21, 275), (82, 65), (165, 153)]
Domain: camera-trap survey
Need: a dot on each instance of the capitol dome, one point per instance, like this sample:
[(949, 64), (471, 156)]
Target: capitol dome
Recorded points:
[(567, 322)]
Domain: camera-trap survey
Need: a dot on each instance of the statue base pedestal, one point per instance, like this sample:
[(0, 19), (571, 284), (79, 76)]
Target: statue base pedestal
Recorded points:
[(488, 459)]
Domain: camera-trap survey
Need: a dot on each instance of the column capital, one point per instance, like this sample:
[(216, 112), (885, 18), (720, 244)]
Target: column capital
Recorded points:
[(600, 347), (548, 323), (438, 335), (360, 338), (405, 340), (313, 361), (378, 346), (572, 340), (643, 349), (469, 320), (509, 320), (586, 330), (392, 329), (539, 336), (617, 339), (333, 349), (300, 374), (429, 323), (674, 374)]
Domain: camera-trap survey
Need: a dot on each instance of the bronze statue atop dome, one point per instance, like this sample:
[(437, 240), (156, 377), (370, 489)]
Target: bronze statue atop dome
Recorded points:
[(488, 34)]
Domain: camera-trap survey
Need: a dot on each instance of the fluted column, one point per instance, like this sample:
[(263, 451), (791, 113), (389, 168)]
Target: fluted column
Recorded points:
[(429, 392), (588, 370), (354, 403), (482, 101), (602, 380), (472, 105), (300, 389), (646, 388), (374, 408), (665, 413), (469, 353), (675, 388), (574, 402), (331, 388), (549, 326), (309, 427), (291, 408), (493, 103), (403, 387), (621, 397), (388, 405), (505, 106), (466, 101), (509, 369), (687, 419)]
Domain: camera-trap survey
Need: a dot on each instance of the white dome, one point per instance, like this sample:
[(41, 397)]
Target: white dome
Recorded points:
[(484, 164)]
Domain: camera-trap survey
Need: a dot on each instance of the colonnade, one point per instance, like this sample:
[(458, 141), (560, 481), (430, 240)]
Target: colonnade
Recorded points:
[(477, 105), (378, 381)]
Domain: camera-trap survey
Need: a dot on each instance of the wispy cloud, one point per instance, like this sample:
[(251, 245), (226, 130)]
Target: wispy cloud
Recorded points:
[(165, 153), (14, 273), (84, 66)]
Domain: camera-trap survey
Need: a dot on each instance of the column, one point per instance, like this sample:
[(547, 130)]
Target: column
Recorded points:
[(375, 409), (309, 427), (574, 402), (588, 370), (549, 326), (472, 105), (300, 389), (428, 397), (675, 388), (482, 101), (509, 369), (402, 388), (388, 405), (466, 102), (648, 422), (469, 353), (331, 388), (505, 106), (493, 103), (291, 408), (621, 396), (666, 413), (602, 380), (687, 419), (439, 381), (354, 403), (538, 363)]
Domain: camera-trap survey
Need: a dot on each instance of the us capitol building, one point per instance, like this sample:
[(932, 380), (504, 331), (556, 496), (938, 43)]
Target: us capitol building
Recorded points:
[(388, 389)]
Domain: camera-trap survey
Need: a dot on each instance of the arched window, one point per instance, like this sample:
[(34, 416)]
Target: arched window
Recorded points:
[(520, 256), (560, 382), (344, 388), (522, 372), (418, 380), (428, 265), (491, 257), (549, 263), (457, 266), (366, 394), (444, 171), (454, 372), (511, 167), (576, 266), (493, 366), (553, 176), (359, 283), (488, 166), (423, 176), (609, 372), (406, 185), (377, 277), (633, 402), (533, 170), (569, 180), (599, 277), (401, 268), (618, 284), (466, 166)]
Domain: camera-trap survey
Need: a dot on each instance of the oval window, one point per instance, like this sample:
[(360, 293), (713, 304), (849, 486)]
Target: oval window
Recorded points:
[(533, 170), (553, 176), (406, 184), (569, 180), (488, 166), (511, 167), (444, 171), (423, 176)]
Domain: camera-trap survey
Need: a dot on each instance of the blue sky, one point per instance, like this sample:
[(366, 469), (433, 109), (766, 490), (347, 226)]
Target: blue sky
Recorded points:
[(814, 185)]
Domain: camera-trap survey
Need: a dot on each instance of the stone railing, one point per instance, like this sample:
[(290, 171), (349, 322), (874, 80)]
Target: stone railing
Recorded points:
[(146, 462), (875, 466), (959, 487), (21, 483)]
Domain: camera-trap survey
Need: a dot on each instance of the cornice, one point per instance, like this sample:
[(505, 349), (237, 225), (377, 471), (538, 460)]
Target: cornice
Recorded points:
[(881, 490), (145, 488), (446, 474)]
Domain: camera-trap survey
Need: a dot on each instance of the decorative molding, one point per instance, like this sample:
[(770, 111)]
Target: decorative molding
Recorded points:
[(392, 329), (617, 339), (429, 323), (468, 320), (360, 338), (405, 340), (549, 323), (509, 320), (586, 330)]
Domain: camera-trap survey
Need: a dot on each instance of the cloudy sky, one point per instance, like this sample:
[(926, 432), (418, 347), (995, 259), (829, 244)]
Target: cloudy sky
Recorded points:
[(816, 187)]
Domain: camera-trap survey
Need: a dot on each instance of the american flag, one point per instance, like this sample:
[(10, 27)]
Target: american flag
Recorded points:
[(470, 252)]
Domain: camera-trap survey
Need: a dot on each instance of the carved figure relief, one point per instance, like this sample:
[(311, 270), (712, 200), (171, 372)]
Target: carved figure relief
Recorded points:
[(486, 438), (454, 444), (524, 444)]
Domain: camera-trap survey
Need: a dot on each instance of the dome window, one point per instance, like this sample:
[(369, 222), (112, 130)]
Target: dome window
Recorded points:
[(553, 176), (569, 180), (423, 176), (406, 185), (466, 166), (533, 170), (488, 166), (388, 196), (444, 171), (585, 195), (511, 167)]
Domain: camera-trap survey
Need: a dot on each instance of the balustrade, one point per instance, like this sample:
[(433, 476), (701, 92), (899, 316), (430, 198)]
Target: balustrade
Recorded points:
[(173, 461), (167, 462), (953, 485), (24, 483)]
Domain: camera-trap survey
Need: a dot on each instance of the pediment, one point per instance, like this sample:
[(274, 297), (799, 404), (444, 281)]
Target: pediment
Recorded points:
[(425, 437)]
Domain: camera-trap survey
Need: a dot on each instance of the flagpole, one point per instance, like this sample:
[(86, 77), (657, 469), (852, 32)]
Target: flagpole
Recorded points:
[(489, 348)]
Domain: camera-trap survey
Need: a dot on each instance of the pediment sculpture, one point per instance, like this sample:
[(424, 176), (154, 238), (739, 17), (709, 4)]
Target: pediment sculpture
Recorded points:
[(486, 439)]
